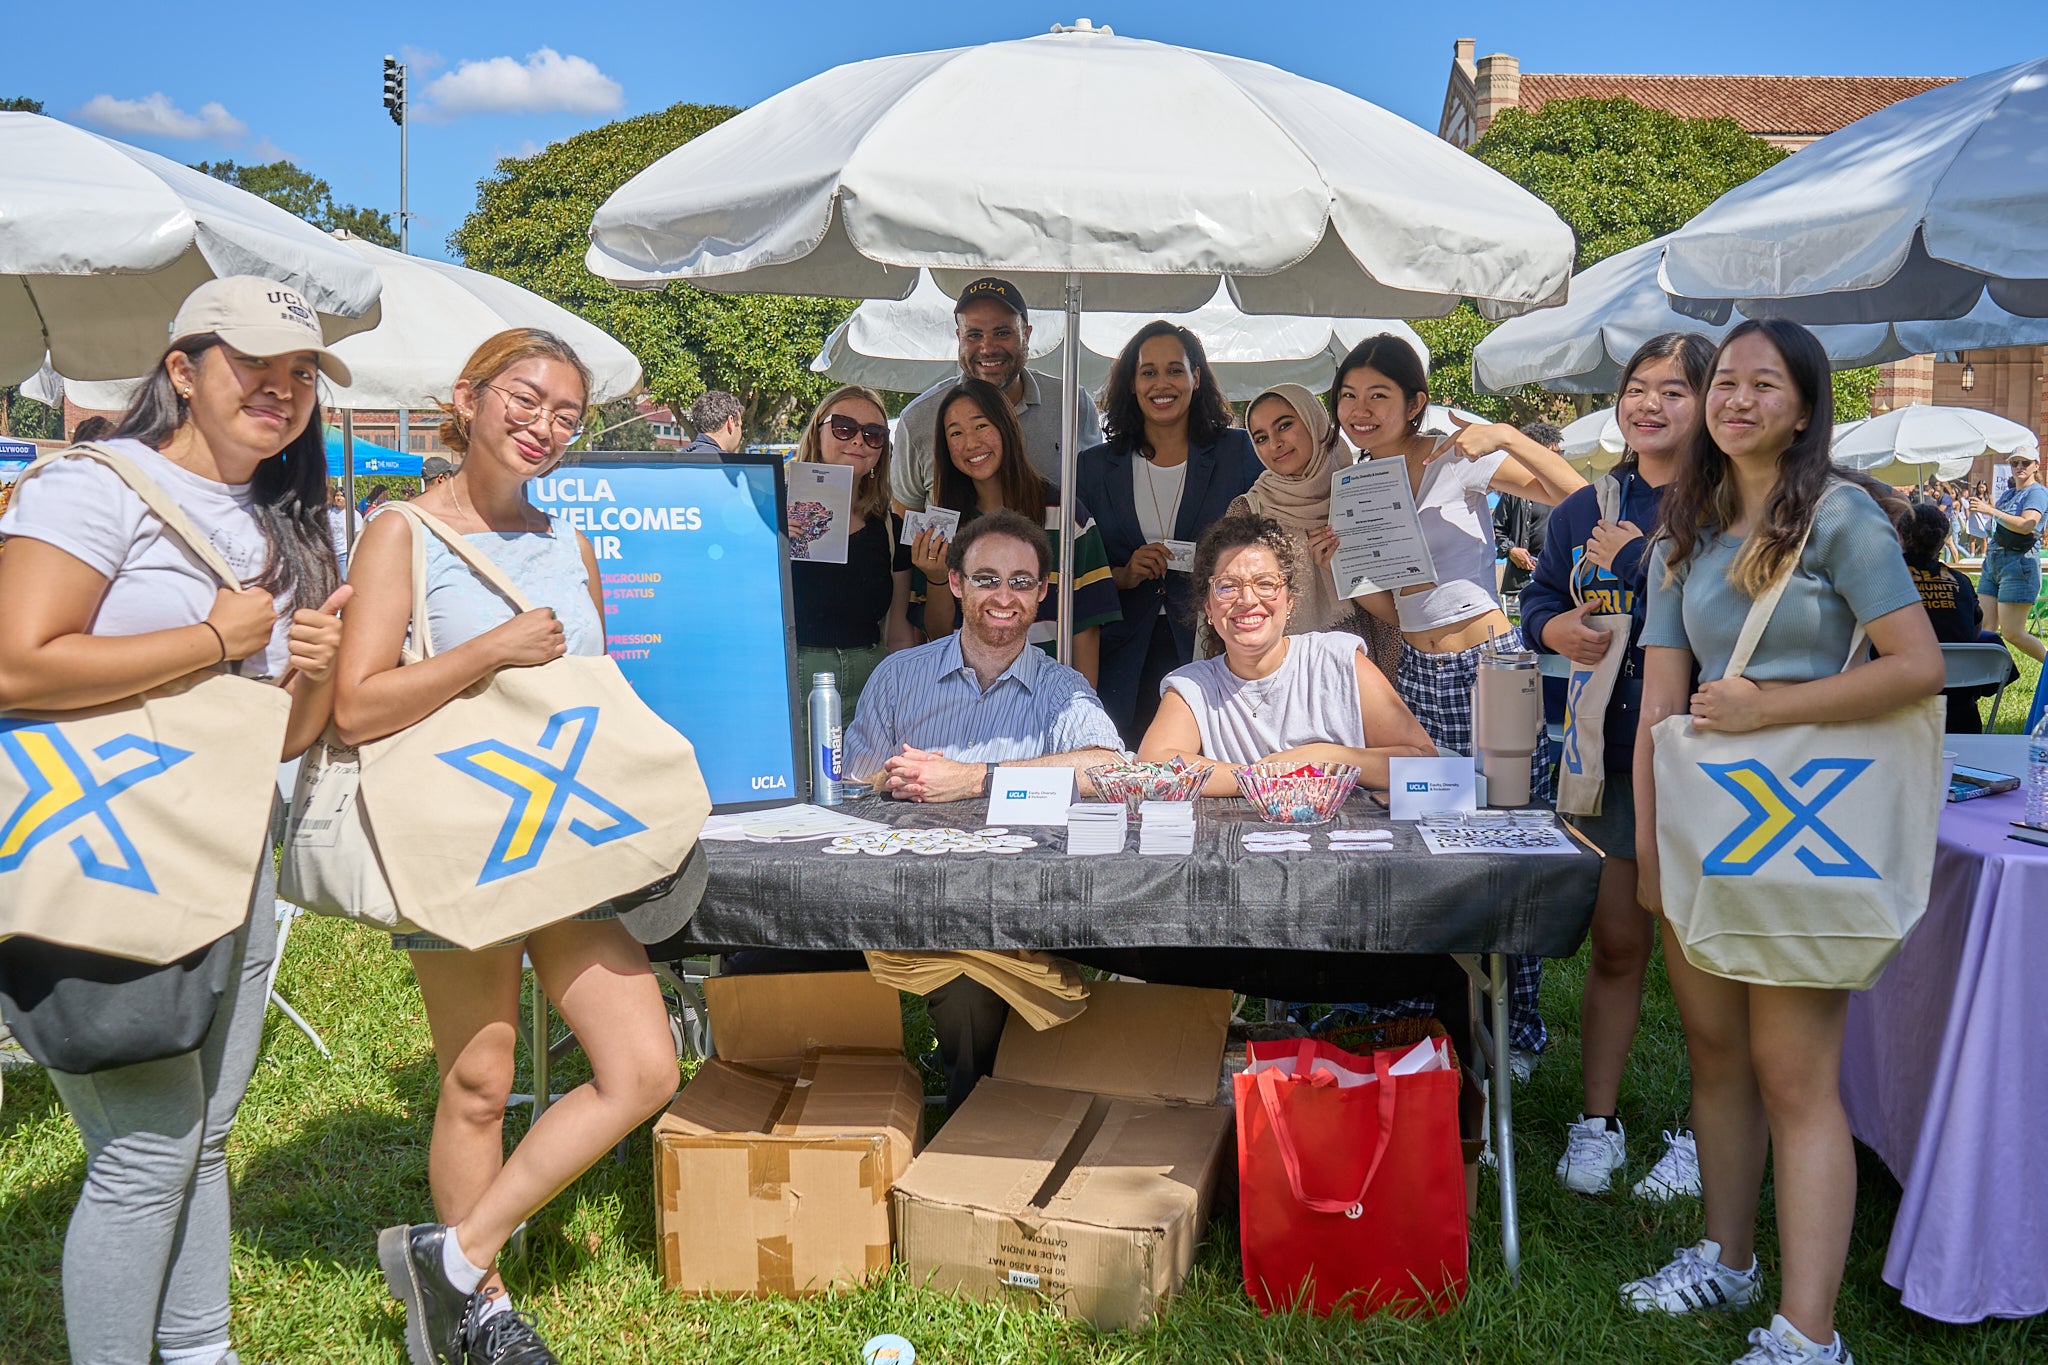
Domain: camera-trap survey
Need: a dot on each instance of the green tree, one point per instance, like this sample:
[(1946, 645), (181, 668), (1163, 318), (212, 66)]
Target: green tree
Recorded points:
[(1852, 393), (304, 195), (617, 425), (20, 104), (531, 226)]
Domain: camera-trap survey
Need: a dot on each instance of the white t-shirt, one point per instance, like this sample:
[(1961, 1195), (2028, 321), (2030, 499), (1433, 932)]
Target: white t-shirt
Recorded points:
[(153, 582), (1457, 526), (1157, 493)]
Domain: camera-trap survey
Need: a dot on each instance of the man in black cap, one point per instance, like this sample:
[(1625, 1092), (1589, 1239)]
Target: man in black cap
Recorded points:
[(994, 330)]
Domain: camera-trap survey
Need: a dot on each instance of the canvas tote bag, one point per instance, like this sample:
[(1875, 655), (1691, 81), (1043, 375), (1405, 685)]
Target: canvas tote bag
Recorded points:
[(136, 828), (1582, 762), (1798, 855), (532, 796)]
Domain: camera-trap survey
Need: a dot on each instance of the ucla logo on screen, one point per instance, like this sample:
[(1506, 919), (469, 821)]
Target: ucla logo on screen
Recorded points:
[(770, 782), (542, 784), (65, 795), (1778, 816)]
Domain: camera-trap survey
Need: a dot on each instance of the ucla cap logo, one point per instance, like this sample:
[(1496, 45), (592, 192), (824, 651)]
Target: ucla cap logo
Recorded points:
[(64, 792), (541, 788), (1775, 817)]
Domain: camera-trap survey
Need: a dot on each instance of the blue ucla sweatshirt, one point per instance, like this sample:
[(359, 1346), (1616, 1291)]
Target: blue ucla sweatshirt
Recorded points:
[(1623, 588)]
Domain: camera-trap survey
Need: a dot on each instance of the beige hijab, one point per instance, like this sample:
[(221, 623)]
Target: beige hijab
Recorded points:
[(1301, 502)]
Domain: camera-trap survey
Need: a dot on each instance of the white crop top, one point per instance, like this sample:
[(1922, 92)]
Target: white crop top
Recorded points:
[(1457, 525)]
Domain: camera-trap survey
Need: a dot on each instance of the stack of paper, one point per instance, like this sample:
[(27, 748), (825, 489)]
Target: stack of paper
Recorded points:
[(1097, 827), (1166, 827), (1043, 990)]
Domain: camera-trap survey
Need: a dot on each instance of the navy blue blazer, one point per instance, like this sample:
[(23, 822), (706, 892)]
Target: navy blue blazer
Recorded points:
[(1105, 484)]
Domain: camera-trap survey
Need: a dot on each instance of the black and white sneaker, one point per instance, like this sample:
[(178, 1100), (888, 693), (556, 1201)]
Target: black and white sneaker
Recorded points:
[(505, 1338), (436, 1312), (1695, 1279)]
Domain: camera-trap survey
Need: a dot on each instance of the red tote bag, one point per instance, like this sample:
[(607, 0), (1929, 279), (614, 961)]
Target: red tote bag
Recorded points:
[(1351, 1180)]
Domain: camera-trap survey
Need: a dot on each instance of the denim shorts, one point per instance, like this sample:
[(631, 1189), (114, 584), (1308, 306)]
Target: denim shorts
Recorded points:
[(2010, 575)]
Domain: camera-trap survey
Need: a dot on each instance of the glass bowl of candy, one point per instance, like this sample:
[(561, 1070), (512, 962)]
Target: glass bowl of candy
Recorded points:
[(1296, 793), (1132, 782)]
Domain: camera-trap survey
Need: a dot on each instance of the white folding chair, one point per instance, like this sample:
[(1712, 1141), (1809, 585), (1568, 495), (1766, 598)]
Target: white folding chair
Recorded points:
[(1980, 664)]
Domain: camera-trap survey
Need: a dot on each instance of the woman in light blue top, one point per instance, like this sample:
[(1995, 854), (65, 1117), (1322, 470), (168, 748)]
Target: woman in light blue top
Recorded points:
[(519, 403), (1767, 1060)]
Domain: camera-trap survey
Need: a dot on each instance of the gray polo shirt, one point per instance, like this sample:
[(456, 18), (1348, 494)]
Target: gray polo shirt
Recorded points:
[(1038, 413)]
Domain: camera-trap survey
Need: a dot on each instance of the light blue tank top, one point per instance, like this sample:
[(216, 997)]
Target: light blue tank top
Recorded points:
[(547, 566)]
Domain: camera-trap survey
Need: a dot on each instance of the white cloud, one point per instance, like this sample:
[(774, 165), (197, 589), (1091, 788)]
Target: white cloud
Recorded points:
[(155, 116), (419, 61), (546, 81), (263, 151)]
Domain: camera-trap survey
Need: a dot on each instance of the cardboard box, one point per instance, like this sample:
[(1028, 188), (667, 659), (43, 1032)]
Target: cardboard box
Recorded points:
[(1081, 1173), (772, 1168)]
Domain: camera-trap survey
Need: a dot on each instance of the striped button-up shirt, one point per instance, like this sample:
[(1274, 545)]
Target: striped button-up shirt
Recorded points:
[(930, 698)]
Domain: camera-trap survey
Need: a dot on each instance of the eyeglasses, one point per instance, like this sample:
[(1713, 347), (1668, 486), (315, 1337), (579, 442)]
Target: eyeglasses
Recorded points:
[(1019, 582), (873, 435), (1265, 587), (522, 411)]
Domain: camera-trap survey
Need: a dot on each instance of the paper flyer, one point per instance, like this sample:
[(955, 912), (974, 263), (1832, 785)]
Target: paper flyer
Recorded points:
[(944, 520), (820, 505), (1379, 539)]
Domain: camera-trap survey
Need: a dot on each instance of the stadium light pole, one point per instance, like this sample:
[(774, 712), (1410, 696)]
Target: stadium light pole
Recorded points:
[(395, 105)]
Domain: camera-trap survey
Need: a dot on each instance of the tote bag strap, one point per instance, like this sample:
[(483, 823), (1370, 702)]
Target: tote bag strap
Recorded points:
[(425, 523), (1760, 610), (1607, 492), (159, 503), (1270, 1082)]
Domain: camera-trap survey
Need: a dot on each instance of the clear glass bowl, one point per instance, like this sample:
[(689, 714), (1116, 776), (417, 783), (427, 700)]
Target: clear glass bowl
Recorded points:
[(1132, 782), (1281, 797)]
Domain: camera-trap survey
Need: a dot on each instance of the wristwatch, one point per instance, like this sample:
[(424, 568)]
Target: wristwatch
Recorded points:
[(988, 778)]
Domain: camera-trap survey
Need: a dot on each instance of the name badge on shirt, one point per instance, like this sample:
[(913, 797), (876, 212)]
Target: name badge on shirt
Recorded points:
[(1030, 796)]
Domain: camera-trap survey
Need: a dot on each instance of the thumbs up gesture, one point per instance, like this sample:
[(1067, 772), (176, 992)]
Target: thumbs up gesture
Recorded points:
[(315, 638)]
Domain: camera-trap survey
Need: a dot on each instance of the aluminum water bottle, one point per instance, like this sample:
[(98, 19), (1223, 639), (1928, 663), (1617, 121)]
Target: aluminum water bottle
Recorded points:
[(825, 737), (2037, 774)]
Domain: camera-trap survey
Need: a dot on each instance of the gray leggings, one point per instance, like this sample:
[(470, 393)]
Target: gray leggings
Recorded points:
[(147, 1254)]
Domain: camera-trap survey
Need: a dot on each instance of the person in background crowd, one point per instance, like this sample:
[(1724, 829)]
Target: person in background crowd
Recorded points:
[(716, 416), (849, 615), (1171, 465), (937, 719), (92, 429), (434, 470), (371, 501), (982, 473), (2010, 579), (337, 523), (1269, 695), (1379, 396), (1952, 607), (1659, 412), (102, 605), (518, 405), (1976, 525), (1766, 1060), (1518, 523), (994, 331)]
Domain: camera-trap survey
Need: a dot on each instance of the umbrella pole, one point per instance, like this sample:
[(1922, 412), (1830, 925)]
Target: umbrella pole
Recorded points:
[(1070, 436), (348, 473)]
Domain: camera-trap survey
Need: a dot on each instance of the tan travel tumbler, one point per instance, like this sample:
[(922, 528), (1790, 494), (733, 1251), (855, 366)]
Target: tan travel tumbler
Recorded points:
[(1507, 718)]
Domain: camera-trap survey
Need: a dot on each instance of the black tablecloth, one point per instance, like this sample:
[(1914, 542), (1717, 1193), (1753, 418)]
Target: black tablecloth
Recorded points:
[(1221, 898)]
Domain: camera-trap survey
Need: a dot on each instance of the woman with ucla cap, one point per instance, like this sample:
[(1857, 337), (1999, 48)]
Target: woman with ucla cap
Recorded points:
[(518, 404), (104, 603)]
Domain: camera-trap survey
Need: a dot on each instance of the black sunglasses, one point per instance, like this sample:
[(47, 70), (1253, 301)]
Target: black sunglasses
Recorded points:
[(873, 435)]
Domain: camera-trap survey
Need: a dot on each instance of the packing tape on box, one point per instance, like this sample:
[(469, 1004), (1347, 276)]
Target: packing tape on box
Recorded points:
[(767, 1170), (774, 1267), (878, 1257), (874, 1172)]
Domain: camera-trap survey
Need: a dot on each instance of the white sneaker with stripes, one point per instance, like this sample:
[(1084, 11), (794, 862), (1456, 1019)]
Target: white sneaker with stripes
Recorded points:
[(1695, 1279), (1676, 1174), (1783, 1344)]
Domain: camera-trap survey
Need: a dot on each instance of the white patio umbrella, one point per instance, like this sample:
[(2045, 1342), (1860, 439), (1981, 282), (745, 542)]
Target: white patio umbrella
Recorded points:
[(1916, 211), (1594, 443), (100, 242), (1305, 199), (1906, 445), (907, 345), (1618, 304)]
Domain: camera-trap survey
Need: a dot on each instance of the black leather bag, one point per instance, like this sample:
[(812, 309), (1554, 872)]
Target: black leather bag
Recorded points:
[(79, 1012)]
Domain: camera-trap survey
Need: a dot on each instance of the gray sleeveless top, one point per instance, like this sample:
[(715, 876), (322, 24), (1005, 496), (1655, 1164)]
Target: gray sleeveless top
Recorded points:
[(1312, 698)]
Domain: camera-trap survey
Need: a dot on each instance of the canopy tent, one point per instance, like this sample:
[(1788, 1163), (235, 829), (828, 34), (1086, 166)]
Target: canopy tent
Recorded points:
[(1594, 443), (100, 243), (1918, 211), (907, 345), (370, 458), (1908, 445)]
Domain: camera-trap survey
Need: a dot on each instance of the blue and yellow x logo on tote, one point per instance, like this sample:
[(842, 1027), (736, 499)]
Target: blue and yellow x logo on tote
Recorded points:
[(1774, 815), (64, 791), (541, 786)]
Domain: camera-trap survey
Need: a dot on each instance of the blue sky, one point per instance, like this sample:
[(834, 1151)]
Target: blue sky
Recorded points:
[(502, 80)]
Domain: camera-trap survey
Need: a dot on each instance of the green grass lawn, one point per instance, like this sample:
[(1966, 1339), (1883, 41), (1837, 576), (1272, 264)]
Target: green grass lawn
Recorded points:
[(327, 1152)]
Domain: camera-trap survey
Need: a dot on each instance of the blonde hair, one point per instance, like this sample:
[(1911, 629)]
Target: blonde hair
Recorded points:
[(874, 500), (495, 356)]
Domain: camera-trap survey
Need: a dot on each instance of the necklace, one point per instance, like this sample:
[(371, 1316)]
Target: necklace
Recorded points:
[(1165, 523)]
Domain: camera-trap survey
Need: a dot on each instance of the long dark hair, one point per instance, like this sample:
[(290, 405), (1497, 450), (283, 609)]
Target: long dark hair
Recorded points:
[(1022, 488), (290, 489), (1703, 496), (1393, 357), (1123, 419), (1695, 357)]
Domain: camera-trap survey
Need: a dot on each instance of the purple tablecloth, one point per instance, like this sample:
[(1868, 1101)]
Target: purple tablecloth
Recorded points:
[(1945, 1076)]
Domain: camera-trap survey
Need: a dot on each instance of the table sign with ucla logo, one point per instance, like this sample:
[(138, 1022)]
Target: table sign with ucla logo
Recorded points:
[(696, 600), (137, 828)]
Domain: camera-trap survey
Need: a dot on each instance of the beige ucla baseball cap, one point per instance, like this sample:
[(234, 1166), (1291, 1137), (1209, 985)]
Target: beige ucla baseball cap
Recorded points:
[(257, 317)]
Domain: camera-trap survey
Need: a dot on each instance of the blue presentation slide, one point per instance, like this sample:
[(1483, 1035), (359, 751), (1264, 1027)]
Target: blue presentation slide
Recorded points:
[(695, 600)]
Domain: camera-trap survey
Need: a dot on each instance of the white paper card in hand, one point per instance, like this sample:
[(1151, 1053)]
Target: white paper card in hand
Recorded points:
[(1030, 796), (944, 520), (1416, 786), (1180, 555), (820, 505), (1379, 538)]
